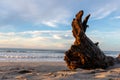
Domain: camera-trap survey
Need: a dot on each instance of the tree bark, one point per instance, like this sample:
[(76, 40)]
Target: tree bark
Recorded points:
[(84, 53)]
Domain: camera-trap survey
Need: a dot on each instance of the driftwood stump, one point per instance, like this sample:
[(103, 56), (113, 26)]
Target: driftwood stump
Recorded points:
[(84, 53)]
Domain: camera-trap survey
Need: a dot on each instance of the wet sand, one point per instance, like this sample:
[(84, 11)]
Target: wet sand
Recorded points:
[(53, 71)]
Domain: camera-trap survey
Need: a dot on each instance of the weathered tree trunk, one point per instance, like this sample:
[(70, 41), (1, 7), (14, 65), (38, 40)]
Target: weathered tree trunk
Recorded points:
[(84, 53)]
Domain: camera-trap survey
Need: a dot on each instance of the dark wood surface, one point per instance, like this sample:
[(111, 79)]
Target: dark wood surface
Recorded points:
[(84, 53)]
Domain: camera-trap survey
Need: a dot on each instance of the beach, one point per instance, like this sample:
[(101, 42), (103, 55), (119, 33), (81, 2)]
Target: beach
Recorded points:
[(35, 64), (54, 71)]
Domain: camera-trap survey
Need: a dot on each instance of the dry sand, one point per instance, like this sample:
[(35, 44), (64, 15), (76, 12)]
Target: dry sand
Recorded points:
[(53, 71)]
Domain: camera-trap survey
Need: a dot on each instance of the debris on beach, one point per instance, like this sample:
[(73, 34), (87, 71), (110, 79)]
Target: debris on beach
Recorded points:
[(84, 53)]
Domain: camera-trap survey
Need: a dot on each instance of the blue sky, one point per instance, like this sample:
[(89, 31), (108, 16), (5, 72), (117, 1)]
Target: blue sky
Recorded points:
[(46, 24)]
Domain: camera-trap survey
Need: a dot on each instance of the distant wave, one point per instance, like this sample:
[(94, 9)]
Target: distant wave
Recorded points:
[(38, 54), (112, 53), (23, 57), (13, 50)]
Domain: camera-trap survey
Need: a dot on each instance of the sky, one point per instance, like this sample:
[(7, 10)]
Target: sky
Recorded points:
[(46, 24)]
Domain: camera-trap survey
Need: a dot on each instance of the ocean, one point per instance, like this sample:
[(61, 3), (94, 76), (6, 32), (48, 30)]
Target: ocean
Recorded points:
[(37, 55)]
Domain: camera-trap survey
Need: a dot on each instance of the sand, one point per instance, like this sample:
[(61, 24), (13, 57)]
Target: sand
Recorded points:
[(53, 71)]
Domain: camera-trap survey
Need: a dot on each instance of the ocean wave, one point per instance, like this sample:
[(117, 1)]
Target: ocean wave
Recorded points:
[(38, 54), (23, 57), (12, 50)]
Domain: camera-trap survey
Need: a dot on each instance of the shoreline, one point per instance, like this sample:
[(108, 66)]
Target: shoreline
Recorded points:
[(54, 71)]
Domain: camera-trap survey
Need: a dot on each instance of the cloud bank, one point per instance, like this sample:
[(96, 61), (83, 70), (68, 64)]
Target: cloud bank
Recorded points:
[(36, 39)]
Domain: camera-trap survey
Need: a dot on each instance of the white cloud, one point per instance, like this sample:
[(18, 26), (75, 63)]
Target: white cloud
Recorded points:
[(117, 17), (103, 12), (36, 39), (49, 23), (56, 37), (54, 12), (45, 12), (50, 13)]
